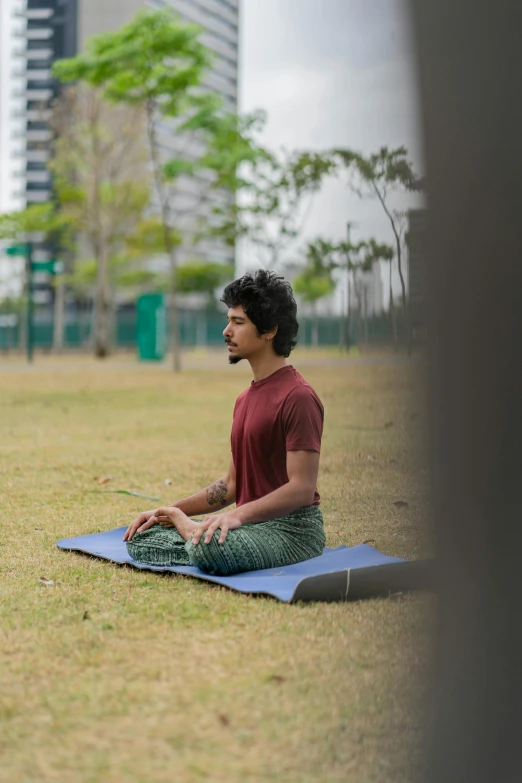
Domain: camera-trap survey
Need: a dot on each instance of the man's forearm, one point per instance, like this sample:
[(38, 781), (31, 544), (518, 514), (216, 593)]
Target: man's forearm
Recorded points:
[(218, 495), (281, 501)]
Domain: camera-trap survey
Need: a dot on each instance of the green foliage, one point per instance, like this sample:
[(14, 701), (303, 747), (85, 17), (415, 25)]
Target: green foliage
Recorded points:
[(307, 170), (122, 272), (148, 238), (269, 189), (83, 276), (321, 255), (384, 169), (153, 58), (312, 287), (35, 218), (154, 62), (233, 151), (142, 279), (315, 281), (377, 175), (324, 257), (177, 168), (362, 255), (202, 277)]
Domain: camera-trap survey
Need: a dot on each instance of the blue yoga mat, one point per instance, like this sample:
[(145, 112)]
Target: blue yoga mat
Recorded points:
[(340, 574)]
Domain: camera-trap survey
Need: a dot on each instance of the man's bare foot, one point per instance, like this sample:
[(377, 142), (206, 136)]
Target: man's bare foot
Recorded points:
[(183, 524)]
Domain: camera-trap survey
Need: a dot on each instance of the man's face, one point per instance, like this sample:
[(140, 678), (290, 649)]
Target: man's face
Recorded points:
[(241, 336)]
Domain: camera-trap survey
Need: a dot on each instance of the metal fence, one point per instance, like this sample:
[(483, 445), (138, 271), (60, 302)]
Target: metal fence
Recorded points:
[(197, 330)]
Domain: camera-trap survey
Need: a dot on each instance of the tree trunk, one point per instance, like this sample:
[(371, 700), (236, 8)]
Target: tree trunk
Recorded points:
[(409, 335), (343, 323), (392, 313), (347, 336), (170, 245), (315, 325), (357, 292), (174, 314), (22, 322), (365, 318), (102, 307), (59, 306), (380, 196)]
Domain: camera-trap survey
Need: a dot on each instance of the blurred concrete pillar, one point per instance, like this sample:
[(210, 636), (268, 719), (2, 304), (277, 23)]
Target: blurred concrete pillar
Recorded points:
[(470, 69)]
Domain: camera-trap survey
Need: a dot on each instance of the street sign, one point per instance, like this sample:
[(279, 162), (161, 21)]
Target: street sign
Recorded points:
[(53, 266), (17, 250)]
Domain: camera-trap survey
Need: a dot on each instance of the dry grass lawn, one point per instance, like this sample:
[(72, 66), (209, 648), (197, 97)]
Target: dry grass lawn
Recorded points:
[(124, 676)]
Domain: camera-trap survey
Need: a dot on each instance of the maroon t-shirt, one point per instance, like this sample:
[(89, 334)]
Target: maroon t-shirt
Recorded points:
[(278, 414)]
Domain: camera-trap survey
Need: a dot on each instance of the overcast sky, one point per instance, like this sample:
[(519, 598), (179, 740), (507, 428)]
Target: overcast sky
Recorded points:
[(332, 73)]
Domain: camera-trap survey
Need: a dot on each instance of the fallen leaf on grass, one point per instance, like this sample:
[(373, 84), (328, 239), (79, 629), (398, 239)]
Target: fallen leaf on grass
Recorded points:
[(400, 504), (224, 719), (123, 492), (104, 479), (45, 581), (276, 678)]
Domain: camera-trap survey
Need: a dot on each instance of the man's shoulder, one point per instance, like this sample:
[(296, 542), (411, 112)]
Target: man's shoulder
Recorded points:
[(302, 397), (241, 397), (299, 386)]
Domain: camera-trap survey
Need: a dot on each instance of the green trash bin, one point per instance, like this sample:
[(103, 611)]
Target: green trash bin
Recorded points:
[(151, 327)]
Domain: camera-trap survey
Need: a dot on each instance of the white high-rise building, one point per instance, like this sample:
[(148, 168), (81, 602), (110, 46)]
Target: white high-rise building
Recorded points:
[(12, 104), (54, 29)]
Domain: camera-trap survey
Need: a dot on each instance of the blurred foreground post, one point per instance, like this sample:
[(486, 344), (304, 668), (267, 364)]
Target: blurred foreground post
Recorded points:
[(470, 62)]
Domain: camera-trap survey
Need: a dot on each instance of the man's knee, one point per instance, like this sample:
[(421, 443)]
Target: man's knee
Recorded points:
[(213, 558)]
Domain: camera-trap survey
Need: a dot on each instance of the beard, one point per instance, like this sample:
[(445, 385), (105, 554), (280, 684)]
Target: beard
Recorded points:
[(233, 359)]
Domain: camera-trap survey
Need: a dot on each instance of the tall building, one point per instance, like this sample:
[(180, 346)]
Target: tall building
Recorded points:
[(12, 106), (55, 29), (49, 34)]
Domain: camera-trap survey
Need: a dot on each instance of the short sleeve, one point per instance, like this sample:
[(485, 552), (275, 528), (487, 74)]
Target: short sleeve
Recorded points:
[(303, 417)]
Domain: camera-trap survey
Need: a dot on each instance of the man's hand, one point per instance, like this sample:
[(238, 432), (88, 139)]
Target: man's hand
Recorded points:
[(145, 520), (225, 522)]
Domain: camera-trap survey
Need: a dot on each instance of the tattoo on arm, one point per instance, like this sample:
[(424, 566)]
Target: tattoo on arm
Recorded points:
[(217, 493)]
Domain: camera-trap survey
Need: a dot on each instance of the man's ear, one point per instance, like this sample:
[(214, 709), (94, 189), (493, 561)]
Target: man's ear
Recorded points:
[(272, 333)]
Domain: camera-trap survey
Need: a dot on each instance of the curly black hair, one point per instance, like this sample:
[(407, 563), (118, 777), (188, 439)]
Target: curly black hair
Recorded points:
[(268, 301)]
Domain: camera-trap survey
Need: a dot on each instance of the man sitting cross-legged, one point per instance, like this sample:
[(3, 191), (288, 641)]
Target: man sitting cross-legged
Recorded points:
[(275, 444)]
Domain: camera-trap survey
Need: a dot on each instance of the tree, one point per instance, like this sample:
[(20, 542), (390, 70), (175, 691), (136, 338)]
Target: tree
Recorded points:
[(359, 259), (379, 175), (270, 189), (274, 207), (353, 260), (202, 277), (101, 184), (42, 222), (314, 282), (155, 63)]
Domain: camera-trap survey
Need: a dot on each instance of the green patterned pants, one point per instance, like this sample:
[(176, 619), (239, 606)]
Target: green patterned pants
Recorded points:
[(279, 542)]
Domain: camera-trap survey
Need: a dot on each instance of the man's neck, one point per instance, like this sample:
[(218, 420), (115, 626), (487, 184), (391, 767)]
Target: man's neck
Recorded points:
[(263, 366)]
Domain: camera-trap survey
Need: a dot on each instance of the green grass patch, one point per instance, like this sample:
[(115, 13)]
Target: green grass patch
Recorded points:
[(121, 676)]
